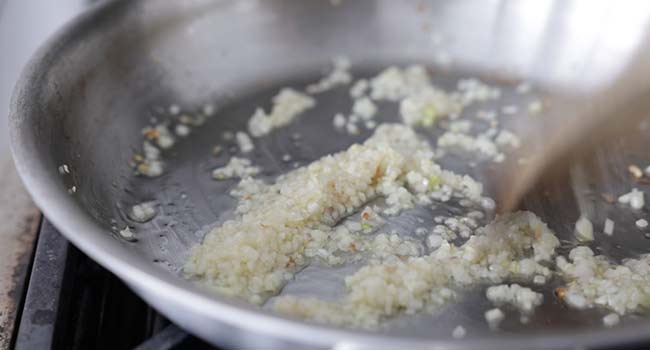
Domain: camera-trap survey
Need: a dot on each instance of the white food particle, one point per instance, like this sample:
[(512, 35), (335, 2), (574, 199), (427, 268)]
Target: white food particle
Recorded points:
[(535, 107), (470, 144), (260, 123), (417, 182), (584, 230), (208, 109), (288, 104), (164, 138), (339, 121), (151, 168), (635, 199), (236, 167), (339, 75), (539, 280), (359, 88), (635, 171), (473, 90), (150, 151), (596, 281), (523, 298), (370, 124), (459, 332), (174, 109), (434, 241), (611, 320), (352, 129), (127, 234), (395, 83), (446, 233), (427, 106), (641, 223), (637, 202), (244, 142), (364, 108), (286, 158), (182, 130), (143, 212), (494, 317), (576, 301), (72, 189), (63, 169), (488, 203), (216, 150), (507, 138), (608, 228)]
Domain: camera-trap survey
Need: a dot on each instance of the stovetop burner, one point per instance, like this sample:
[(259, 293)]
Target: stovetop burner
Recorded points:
[(73, 303)]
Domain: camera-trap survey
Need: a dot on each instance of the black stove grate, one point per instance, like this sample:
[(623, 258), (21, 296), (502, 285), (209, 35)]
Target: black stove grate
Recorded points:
[(73, 303)]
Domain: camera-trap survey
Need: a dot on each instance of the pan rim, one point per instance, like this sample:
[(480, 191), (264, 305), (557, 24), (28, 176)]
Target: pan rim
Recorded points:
[(60, 208)]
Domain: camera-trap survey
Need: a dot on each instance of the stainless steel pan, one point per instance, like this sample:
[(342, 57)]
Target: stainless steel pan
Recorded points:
[(86, 95)]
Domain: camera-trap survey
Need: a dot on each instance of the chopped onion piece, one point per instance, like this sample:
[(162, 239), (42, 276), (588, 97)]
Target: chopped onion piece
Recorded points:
[(584, 230), (611, 320), (459, 332), (608, 228), (494, 317)]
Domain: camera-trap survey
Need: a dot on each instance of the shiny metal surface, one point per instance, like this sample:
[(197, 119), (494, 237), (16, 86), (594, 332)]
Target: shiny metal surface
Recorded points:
[(85, 97), (612, 112), (24, 25)]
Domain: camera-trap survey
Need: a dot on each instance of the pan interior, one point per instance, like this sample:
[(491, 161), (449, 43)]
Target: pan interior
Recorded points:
[(193, 54), (190, 202)]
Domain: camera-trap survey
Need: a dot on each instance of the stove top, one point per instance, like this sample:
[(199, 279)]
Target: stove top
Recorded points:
[(73, 303)]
